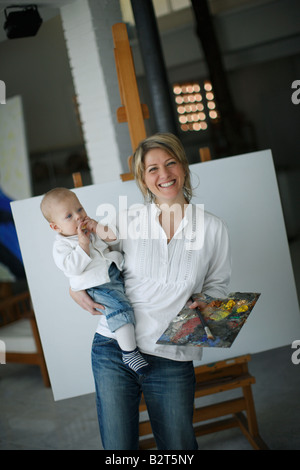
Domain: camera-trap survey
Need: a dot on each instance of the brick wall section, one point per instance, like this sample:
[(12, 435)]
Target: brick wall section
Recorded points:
[(87, 29)]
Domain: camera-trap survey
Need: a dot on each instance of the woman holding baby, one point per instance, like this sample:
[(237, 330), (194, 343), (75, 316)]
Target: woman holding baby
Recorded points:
[(180, 250)]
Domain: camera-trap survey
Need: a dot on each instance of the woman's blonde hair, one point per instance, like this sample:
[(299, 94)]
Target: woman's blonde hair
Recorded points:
[(170, 144)]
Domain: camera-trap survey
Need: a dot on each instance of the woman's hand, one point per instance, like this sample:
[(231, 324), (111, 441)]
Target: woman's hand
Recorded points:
[(198, 304), (86, 302)]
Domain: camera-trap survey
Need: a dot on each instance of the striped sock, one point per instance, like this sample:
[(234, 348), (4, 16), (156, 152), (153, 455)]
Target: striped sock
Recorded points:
[(135, 361)]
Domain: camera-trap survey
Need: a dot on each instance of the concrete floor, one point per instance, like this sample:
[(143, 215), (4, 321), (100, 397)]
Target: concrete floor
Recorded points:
[(31, 420)]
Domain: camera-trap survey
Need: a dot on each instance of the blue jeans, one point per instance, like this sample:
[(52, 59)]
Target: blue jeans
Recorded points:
[(118, 310), (168, 389)]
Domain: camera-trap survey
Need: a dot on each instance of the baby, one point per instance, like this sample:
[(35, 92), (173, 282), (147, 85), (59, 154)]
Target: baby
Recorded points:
[(80, 250)]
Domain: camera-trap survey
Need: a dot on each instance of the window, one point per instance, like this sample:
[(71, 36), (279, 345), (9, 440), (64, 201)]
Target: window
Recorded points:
[(196, 106), (161, 8)]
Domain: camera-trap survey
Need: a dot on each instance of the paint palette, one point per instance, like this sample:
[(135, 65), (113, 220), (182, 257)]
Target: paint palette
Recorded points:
[(224, 317)]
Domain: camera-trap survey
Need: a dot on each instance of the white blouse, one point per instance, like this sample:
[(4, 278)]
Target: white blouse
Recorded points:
[(160, 277)]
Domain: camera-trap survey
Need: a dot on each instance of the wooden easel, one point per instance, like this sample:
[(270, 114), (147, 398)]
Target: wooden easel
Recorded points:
[(217, 378), (205, 154), (131, 111), (212, 378), (15, 308)]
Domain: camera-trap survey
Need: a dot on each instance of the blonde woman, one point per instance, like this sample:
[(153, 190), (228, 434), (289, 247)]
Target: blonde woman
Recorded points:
[(180, 250)]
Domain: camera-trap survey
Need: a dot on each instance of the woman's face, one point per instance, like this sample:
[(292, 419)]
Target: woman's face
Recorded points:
[(164, 176)]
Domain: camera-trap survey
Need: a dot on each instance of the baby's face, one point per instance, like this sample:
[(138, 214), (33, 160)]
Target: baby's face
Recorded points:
[(67, 216)]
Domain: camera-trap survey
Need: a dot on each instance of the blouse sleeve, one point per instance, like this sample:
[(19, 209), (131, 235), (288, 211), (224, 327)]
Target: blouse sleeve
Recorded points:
[(218, 275)]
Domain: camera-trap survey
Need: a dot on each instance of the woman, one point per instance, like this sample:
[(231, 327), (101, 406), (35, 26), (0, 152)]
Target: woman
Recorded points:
[(171, 255)]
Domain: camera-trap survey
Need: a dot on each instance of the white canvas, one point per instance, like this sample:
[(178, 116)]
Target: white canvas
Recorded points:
[(243, 191)]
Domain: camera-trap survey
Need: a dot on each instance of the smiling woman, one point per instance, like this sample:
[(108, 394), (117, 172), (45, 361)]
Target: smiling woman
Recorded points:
[(160, 160), (162, 173), (164, 176)]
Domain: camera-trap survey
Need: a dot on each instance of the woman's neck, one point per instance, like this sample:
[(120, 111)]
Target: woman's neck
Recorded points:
[(169, 204), (171, 215)]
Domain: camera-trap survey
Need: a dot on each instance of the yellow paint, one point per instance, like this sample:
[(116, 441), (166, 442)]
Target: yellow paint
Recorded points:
[(230, 304), (219, 315), (244, 308)]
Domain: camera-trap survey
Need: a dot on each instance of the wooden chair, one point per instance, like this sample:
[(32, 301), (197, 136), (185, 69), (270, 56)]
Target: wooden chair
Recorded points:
[(19, 333), (217, 378)]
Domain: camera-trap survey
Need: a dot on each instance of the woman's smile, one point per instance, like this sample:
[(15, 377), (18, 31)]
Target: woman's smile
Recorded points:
[(164, 176), (166, 185)]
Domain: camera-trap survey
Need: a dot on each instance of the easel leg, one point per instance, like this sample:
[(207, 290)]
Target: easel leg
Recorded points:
[(250, 410)]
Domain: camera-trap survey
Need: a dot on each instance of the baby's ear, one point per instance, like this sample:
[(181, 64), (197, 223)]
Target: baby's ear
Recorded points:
[(55, 227)]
